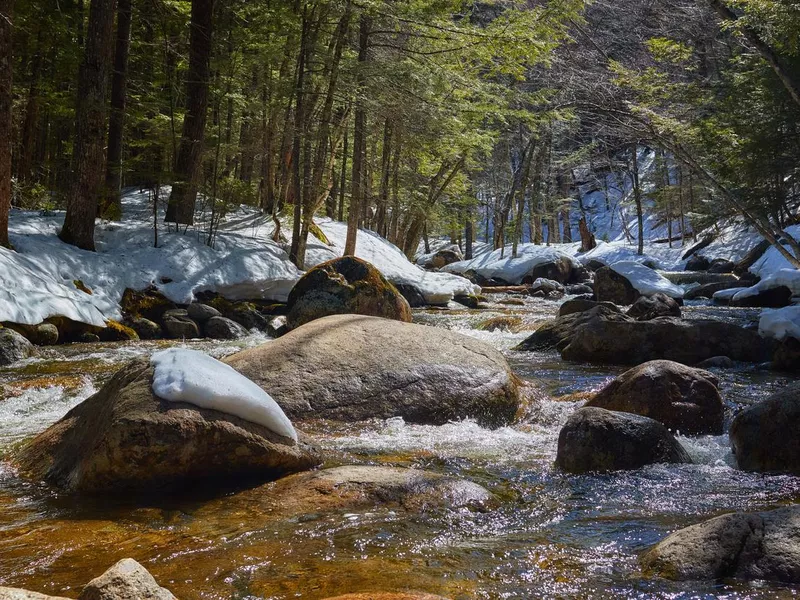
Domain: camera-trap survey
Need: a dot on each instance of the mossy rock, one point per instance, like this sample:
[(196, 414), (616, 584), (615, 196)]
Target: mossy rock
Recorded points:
[(345, 285), (148, 303), (117, 332), (82, 286)]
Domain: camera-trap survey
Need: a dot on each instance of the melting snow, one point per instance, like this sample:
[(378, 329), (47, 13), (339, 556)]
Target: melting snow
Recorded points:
[(780, 323), (646, 280)]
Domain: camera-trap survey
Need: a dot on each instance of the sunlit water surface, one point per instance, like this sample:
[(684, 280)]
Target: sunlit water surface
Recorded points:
[(550, 535)]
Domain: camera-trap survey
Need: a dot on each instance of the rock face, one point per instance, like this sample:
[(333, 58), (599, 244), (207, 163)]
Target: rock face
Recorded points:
[(657, 305), (624, 341), (595, 439), (126, 580), (762, 545), (125, 438), (13, 347), (680, 397), (345, 285), (764, 436), (352, 367), (612, 287)]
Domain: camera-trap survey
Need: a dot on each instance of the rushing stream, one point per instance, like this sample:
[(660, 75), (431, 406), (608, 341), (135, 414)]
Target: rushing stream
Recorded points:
[(551, 535)]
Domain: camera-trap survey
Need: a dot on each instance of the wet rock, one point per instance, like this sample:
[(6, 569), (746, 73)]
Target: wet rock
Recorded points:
[(46, 334), (579, 288), (277, 327), (201, 313), (751, 546), (577, 305), (764, 436), (595, 439), (603, 339), (13, 347), (610, 286), (776, 297), (697, 263), (787, 355), (345, 285), (657, 305), (501, 323), (721, 265), (359, 485), (177, 325), (388, 596), (125, 439), (680, 397), (716, 362), (558, 332), (88, 338), (412, 295), (117, 332), (246, 315), (220, 328), (144, 328), (547, 287), (468, 300), (126, 580), (707, 290), (7, 593), (353, 367), (149, 303)]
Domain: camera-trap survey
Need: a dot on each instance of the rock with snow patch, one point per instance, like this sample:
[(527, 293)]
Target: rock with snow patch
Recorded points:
[(178, 326), (650, 307), (750, 546), (201, 313), (353, 368), (681, 398), (446, 256), (774, 297), (346, 285), (610, 286), (220, 328), (764, 436), (595, 439), (13, 347), (697, 263), (577, 289), (412, 295), (125, 439), (707, 290), (126, 580), (546, 288)]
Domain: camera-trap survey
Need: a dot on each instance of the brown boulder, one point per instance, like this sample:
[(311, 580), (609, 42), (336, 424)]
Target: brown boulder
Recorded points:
[(680, 397), (612, 287)]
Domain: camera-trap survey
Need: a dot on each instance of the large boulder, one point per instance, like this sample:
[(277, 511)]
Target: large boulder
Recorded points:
[(617, 340), (721, 265), (697, 263), (612, 287), (774, 297), (126, 438), (764, 436), (8, 593), (556, 334), (345, 285), (754, 546), (446, 256), (657, 305), (126, 580), (13, 347), (680, 397), (177, 325), (220, 328), (353, 367), (560, 269), (707, 290), (595, 439)]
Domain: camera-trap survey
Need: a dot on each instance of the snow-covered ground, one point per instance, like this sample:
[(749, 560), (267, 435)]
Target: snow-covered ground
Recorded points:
[(44, 277)]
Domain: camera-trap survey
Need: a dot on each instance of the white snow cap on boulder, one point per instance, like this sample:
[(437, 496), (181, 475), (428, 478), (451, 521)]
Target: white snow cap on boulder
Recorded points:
[(645, 280), (780, 323), (183, 375), (507, 267)]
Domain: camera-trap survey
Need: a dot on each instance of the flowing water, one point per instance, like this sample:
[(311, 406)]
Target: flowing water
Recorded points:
[(551, 535)]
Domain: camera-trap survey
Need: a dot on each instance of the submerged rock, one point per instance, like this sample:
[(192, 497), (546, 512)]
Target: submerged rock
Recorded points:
[(353, 367), (388, 596), (125, 438), (680, 397), (126, 580), (751, 546), (657, 305), (595, 439), (13, 347), (345, 285), (765, 436)]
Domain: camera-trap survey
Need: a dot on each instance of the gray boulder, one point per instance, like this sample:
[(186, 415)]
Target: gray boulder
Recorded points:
[(721, 265), (558, 332), (177, 325), (126, 580), (595, 439), (13, 347), (765, 436), (697, 263), (353, 367), (612, 287), (752, 546), (220, 328), (680, 397), (201, 312), (657, 305)]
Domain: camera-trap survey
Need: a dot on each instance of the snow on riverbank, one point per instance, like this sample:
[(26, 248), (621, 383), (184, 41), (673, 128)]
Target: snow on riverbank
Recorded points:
[(645, 280), (44, 277), (499, 264), (780, 323), (183, 375)]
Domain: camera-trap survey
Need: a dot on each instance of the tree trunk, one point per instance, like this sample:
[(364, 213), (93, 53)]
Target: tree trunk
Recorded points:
[(383, 196), (342, 179), (468, 234), (359, 141), (116, 119), (297, 140), (27, 148), (88, 158), (6, 70), (180, 208), (637, 197), (587, 237)]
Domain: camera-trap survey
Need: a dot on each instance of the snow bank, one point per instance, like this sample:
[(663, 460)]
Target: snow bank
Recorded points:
[(789, 278), (511, 270), (436, 288), (780, 323), (773, 261), (645, 280), (183, 375)]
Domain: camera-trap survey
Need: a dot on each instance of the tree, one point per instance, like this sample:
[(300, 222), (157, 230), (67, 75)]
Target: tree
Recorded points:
[(6, 68), (180, 208), (88, 156)]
